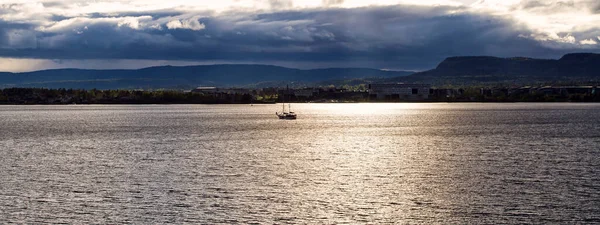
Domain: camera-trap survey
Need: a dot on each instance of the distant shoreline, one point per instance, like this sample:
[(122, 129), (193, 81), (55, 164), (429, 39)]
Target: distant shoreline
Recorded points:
[(317, 103), (38, 96)]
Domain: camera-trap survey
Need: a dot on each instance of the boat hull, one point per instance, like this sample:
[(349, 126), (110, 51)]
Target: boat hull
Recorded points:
[(287, 116)]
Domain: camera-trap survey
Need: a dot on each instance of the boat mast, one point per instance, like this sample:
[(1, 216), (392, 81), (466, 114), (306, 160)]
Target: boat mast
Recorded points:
[(287, 90), (283, 103)]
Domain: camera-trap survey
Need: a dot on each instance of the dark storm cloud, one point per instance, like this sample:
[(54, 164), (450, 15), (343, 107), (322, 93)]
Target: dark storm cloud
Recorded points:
[(394, 37), (9, 30)]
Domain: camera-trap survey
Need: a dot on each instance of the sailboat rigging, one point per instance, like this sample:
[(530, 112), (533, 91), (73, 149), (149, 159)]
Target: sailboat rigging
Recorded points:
[(289, 115)]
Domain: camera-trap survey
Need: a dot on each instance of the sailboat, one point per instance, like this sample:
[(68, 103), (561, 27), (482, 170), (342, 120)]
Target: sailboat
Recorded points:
[(289, 115)]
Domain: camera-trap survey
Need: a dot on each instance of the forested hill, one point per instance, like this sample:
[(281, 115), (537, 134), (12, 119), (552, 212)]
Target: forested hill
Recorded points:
[(474, 69), (185, 76)]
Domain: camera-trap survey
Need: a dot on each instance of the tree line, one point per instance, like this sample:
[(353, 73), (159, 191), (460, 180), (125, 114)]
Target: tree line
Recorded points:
[(94, 96), (35, 96)]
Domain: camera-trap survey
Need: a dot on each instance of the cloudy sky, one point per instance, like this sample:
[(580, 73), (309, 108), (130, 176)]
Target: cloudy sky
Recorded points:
[(386, 34)]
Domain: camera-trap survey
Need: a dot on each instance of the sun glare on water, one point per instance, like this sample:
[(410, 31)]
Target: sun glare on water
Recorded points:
[(366, 108)]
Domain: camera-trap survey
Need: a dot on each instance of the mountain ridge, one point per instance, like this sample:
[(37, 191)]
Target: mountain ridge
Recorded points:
[(457, 70), (179, 76), (473, 69)]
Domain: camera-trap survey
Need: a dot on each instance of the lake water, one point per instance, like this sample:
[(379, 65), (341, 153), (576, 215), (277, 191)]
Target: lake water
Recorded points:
[(338, 163)]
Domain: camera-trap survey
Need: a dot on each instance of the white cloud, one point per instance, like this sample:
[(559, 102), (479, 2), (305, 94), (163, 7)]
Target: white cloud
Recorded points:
[(74, 8), (78, 23), (588, 42), (131, 22), (191, 23), (174, 24), (552, 40), (546, 18)]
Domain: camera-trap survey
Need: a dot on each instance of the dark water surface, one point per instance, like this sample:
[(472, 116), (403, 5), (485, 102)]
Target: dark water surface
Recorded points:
[(338, 163)]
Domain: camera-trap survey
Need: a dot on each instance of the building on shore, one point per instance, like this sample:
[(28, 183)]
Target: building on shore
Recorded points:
[(227, 94), (236, 91), (543, 90), (413, 92), (566, 90), (206, 90), (215, 90), (306, 92)]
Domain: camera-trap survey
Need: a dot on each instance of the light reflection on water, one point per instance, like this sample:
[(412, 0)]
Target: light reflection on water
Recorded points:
[(338, 163)]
